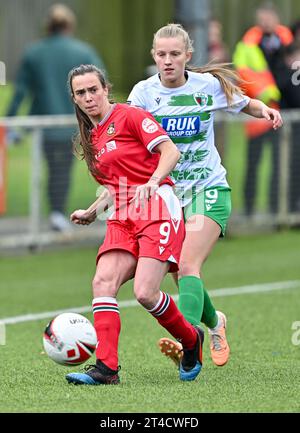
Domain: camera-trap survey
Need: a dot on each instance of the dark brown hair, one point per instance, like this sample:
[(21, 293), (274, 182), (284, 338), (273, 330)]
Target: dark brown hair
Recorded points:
[(82, 146)]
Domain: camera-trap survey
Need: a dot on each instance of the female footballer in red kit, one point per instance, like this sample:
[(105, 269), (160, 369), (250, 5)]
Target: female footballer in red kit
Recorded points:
[(128, 152)]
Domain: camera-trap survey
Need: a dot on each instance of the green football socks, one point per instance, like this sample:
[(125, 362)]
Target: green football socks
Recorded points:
[(191, 298), (209, 315), (194, 302)]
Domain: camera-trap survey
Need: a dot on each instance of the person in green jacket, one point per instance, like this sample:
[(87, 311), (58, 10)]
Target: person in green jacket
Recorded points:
[(42, 75)]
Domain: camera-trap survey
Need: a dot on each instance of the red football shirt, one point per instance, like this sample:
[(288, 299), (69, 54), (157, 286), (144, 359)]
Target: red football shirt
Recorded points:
[(124, 141)]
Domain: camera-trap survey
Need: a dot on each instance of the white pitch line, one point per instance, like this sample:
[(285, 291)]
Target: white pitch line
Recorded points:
[(229, 291)]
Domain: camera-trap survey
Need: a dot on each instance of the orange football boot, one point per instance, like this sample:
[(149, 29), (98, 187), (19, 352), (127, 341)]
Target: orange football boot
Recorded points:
[(219, 348)]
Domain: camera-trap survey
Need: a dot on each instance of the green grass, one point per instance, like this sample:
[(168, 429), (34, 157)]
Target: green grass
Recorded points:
[(264, 368)]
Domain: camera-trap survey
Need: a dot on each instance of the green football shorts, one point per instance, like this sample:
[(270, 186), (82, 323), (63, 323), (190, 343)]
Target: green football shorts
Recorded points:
[(214, 203)]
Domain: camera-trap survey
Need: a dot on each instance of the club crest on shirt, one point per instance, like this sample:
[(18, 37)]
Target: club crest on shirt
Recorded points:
[(149, 125), (201, 99), (111, 129)]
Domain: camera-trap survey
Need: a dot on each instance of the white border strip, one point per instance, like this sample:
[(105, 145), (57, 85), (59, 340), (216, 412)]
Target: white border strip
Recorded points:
[(229, 291)]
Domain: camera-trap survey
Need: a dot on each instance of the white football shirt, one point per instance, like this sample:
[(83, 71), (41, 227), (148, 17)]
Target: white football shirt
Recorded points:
[(187, 113)]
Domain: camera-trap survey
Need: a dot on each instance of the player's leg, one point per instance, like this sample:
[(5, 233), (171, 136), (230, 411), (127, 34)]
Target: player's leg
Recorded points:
[(175, 278), (160, 246), (149, 275), (113, 269), (202, 232), (194, 301), (116, 265), (201, 235), (192, 295)]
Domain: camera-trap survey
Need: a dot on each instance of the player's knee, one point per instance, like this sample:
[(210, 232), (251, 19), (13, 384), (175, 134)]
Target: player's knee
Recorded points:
[(144, 295), (189, 267)]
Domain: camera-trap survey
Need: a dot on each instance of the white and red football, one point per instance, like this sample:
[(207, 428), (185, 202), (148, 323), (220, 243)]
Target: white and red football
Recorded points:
[(69, 339)]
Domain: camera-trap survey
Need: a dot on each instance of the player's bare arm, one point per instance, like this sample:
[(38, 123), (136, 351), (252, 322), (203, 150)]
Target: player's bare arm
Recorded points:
[(258, 109), (87, 216)]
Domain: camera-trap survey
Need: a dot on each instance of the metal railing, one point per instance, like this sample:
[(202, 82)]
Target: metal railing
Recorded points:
[(35, 236)]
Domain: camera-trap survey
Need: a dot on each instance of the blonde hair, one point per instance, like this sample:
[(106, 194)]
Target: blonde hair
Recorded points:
[(222, 71), (173, 31), (60, 17)]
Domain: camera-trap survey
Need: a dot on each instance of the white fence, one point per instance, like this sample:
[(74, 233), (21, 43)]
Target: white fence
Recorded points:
[(31, 230), (34, 233)]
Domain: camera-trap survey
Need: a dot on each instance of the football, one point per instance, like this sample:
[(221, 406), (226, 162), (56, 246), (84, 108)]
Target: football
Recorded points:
[(69, 339)]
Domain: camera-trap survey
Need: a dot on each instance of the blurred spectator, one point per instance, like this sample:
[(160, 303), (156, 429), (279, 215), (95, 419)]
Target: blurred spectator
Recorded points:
[(217, 50), (257, 57), (42, 75), (218, 53), (288, 80)]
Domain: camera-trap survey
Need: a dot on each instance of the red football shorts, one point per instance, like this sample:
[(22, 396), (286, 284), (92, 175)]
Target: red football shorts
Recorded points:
[(156, 230)]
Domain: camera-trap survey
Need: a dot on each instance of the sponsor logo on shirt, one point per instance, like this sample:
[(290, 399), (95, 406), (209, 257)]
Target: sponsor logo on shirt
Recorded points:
[(149, 126), (111, 145), (157, 100), (185, 126)]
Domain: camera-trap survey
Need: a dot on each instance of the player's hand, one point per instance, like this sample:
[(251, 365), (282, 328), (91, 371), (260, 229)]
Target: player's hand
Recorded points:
[(272, 115), (82, 217), (144, 192)]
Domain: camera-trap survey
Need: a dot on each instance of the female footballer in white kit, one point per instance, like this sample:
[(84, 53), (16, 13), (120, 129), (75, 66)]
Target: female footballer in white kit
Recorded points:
[(183, 100)]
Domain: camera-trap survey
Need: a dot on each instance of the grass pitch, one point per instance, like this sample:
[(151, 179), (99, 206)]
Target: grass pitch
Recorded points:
[(264, 368)]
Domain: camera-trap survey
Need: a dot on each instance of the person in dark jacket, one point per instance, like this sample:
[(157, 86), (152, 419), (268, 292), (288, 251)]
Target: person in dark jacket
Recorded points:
[(42, 76), (257, 58), (288, 80)]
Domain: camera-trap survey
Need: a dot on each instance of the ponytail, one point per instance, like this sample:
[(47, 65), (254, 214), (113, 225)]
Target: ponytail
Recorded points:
[(227, 77)]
